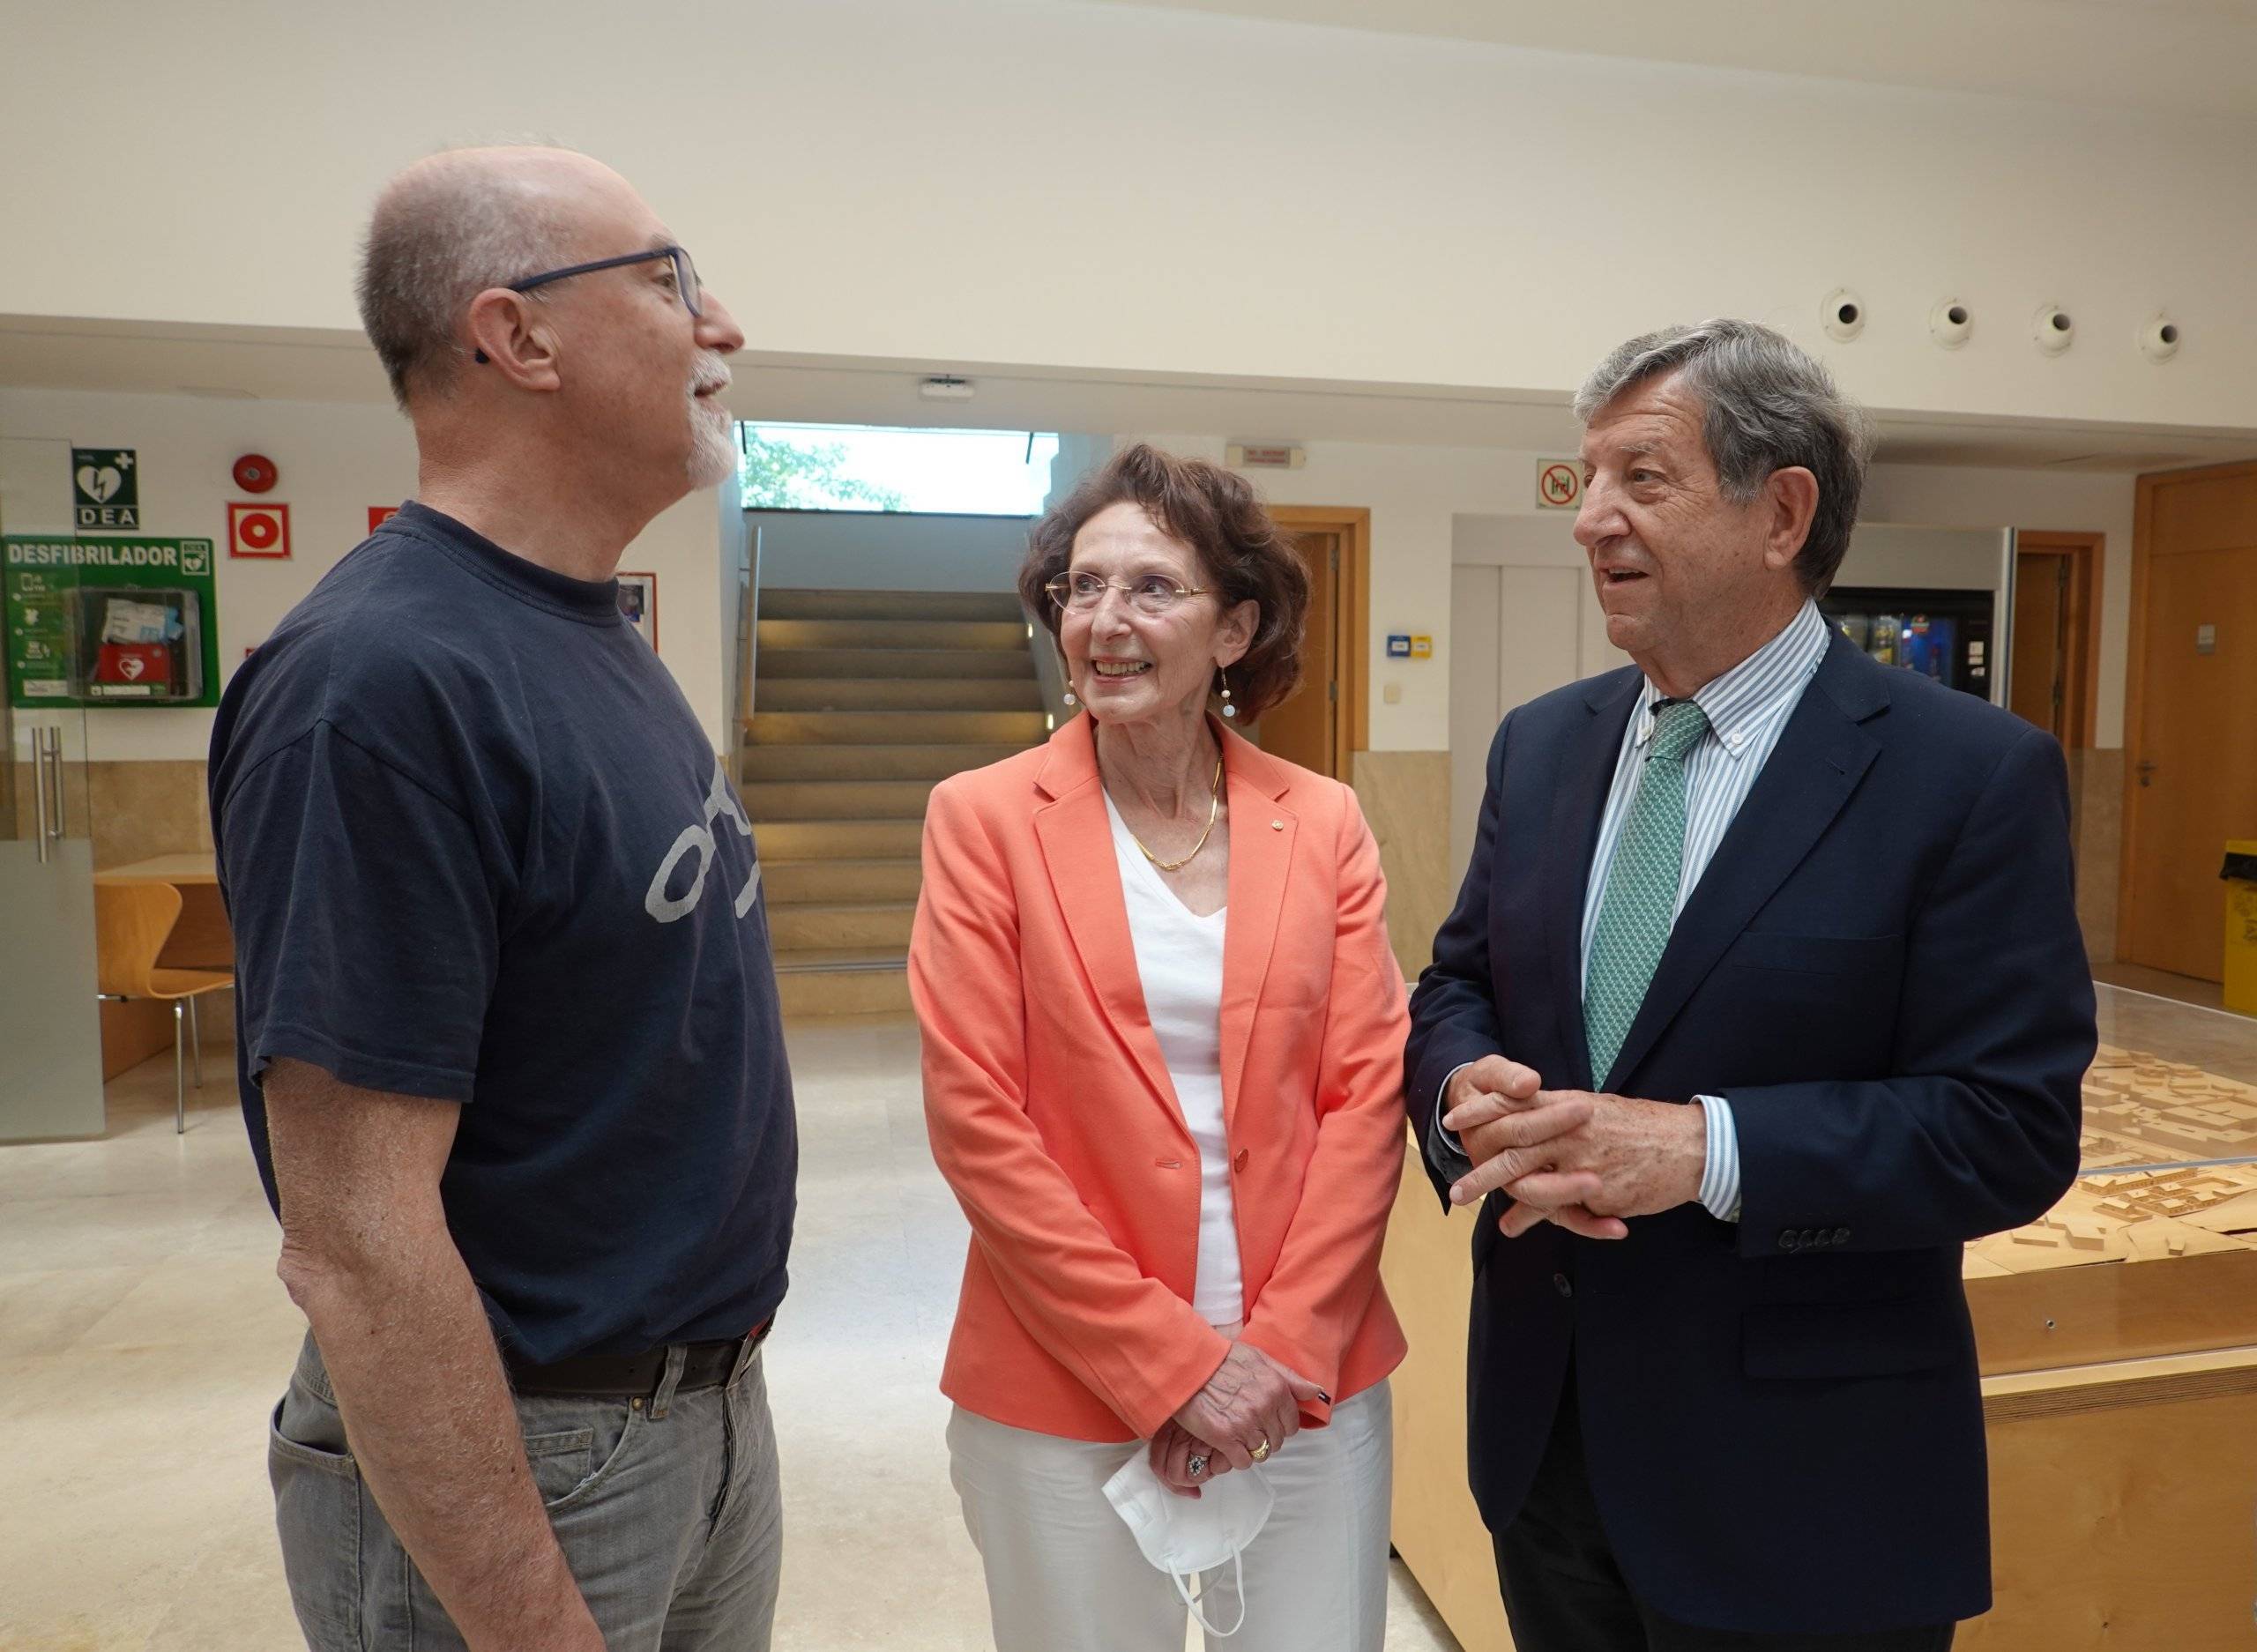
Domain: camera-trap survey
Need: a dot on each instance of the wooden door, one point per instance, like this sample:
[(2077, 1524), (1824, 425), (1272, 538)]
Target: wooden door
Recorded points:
[(2037, 688), (2192, 726), (1304, 727)]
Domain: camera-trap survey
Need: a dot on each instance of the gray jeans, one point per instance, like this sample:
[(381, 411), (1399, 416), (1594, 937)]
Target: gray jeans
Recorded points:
[(668, 1516)]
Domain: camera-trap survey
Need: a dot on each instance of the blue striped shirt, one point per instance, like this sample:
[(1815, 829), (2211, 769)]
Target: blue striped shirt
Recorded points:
[(1748, 709)]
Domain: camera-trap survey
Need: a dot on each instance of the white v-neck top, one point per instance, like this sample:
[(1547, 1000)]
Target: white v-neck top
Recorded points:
[(1179, 962)]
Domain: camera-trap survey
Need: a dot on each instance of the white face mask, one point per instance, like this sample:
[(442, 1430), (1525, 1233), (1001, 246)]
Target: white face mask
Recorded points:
[(1186, 1535)]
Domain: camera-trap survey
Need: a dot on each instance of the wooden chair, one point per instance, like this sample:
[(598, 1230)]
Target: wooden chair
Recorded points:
[(131, 923)]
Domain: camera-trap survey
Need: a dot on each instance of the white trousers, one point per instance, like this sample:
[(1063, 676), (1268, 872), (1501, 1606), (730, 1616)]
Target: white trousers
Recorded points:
[(1064, 1574)]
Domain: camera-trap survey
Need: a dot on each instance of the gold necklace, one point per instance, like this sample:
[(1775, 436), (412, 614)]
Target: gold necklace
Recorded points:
[(1214, 811)]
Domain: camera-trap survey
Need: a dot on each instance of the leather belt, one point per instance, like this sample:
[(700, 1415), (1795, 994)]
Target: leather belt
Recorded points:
[(624, 1376)]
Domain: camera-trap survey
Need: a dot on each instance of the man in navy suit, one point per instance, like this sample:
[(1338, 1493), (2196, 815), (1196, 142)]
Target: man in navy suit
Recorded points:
[(1764, 995)]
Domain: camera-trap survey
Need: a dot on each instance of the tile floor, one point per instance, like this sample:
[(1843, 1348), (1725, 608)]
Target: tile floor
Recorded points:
[(143, 1337)]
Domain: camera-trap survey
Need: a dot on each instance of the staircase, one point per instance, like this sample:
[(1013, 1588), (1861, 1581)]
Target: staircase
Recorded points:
[(863, 701)]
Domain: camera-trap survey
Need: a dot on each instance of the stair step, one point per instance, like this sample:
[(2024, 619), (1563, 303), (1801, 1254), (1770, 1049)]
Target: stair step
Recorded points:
[(929, 694), (776, 663), (899, 728), (837, 883), (877, 928), (785, 840), (797, 603), (867, 763), (873, 987), (1000, 635), (838, 800)]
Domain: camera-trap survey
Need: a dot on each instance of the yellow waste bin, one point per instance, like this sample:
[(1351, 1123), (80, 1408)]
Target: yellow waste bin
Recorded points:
[(2240, 876)]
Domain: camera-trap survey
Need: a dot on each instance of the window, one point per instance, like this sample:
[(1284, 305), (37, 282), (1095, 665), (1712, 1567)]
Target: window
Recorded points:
[(868, 467)]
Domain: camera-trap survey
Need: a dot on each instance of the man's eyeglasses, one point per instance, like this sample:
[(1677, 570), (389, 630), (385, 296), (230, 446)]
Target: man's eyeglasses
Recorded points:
[(685, 273), (1150, 594), (685, 277)]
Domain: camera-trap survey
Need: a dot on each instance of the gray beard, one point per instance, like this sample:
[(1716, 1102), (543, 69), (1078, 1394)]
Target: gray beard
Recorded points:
[(712, 449)]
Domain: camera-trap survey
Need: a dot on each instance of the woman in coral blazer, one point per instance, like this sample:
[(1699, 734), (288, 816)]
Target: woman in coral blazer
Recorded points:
[(1162, 1032)]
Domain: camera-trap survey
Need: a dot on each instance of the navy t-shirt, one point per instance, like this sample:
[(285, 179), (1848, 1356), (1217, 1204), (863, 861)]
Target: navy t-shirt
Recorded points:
[(475, 846)]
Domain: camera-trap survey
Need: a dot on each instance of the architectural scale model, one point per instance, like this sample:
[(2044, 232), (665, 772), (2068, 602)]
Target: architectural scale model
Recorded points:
[(2157, 1178)]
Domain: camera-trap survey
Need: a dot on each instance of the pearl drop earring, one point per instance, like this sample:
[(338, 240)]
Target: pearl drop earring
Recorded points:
[(1228, 709)]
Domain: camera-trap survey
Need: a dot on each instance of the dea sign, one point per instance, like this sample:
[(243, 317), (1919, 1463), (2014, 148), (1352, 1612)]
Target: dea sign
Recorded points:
[(105, 489)]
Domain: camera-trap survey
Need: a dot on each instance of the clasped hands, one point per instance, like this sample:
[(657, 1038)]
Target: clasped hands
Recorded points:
[(1569, 1157), (1251, 1404)]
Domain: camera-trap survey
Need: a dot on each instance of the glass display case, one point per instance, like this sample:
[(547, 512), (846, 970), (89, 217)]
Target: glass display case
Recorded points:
[(2170, 1148)]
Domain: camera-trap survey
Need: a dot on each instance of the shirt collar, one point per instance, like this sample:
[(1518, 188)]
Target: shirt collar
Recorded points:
[(1741, 700)]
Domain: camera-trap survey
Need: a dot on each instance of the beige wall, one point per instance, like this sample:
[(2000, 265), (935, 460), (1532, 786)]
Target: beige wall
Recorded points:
[(1109, 187), (1414, 495), (335, 459)]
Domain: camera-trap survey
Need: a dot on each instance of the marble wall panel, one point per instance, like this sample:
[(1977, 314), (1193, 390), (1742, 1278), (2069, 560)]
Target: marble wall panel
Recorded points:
[(1406, 796)]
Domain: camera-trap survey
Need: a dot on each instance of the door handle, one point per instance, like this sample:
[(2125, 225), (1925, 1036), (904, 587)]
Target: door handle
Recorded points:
[(39, 792), (54, 785)]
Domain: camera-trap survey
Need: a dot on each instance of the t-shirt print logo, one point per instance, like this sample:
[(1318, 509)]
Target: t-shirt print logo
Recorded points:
[(722, 799)]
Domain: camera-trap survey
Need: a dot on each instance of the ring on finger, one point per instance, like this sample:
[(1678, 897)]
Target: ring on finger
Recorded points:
[(1198, 1464), (1260, 1452)]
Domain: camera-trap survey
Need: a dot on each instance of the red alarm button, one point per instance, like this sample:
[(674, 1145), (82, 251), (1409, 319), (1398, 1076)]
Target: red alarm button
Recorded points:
[(255, 473)]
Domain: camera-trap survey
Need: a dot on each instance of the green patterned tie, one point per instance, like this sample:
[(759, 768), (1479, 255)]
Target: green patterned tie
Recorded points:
[(1640, 902)]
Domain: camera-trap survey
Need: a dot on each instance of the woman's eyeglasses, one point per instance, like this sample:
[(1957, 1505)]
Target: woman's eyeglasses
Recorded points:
[(1150, 594)]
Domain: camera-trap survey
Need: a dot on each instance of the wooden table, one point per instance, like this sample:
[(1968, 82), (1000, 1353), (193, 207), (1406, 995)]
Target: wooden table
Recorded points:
[(200, 940)]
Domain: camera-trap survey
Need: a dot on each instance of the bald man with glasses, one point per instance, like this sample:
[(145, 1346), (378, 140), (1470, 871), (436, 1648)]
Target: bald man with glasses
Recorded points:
[(508, 1038)]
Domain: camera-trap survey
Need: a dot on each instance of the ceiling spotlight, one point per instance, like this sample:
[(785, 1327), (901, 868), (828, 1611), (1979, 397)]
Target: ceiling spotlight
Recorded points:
[(1844, 315), (2159, 339), (2053, 329), (1951, 323)]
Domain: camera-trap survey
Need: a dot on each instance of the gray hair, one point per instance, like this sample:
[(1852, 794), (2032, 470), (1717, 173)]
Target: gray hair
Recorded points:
[(1768, 406), (444, 232)]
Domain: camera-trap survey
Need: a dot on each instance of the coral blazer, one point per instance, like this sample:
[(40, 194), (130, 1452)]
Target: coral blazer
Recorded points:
[(1052, 1117)]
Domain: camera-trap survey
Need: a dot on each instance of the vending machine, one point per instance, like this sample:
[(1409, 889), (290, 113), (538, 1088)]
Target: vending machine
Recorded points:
[(1946, 635)]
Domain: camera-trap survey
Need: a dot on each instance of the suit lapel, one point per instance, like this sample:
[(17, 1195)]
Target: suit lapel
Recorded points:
[(1077, 840), (1821, 755), (1578, 804), (1263, 833)]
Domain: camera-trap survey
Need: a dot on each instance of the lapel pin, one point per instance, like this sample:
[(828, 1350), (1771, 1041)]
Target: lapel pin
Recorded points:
[(1277, 825)]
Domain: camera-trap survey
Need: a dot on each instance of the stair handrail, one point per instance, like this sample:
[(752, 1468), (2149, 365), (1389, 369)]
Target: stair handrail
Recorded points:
[(748, 655), (1049, 668)]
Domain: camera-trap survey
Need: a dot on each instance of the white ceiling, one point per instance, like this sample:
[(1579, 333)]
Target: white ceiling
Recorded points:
[(281, 365), (2186, 56)]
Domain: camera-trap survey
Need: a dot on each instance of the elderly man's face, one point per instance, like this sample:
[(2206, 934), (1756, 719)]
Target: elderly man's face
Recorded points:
[(1669, 555), (645, 375)]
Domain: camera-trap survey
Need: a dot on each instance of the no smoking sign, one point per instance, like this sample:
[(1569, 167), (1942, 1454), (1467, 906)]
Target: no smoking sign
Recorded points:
[(1558, 484), (258, 530)]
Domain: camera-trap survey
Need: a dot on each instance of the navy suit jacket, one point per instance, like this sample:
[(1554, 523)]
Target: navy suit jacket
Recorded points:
[(1881, 970)]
